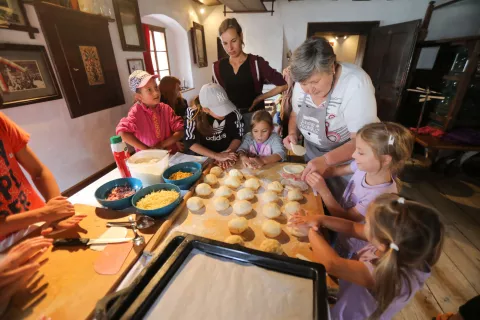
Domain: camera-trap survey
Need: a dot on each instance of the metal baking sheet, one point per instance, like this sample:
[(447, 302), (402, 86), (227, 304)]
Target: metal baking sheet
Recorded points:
[(198, 278)]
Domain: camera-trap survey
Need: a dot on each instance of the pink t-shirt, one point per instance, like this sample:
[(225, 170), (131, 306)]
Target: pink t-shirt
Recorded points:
[(358, 194), (151, 126), (357, 303)]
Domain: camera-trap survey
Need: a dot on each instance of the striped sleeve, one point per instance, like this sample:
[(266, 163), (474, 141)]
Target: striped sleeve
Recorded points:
[(190, 125), (240, 126)]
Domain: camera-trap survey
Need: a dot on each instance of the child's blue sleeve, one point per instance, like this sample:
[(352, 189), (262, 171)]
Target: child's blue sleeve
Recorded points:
[(277, 146), (247, 141)]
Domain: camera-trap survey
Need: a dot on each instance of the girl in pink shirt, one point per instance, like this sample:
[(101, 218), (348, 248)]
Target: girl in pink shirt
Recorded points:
[(405, 240), (150, 124)]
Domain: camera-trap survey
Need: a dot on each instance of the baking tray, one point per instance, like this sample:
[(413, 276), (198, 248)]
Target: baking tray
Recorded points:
[(136, 300)]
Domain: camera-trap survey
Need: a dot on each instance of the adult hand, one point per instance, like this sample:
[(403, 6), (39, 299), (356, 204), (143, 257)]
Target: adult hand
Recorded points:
[(301, 218), (254, 103), (318, 164), (57, 208), (316, 181), (291, 138), (65, 224)]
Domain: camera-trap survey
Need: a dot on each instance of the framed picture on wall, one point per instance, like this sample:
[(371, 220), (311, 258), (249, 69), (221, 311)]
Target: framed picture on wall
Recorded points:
[(26, 75), (129, 25), (199, 47), (135, 64), (14, 17)]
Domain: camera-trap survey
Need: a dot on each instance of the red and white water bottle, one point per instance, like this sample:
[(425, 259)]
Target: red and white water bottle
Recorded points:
[(120, 153)]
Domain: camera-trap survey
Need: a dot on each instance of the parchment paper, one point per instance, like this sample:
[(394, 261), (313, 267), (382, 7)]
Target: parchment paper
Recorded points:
[(209, 287)]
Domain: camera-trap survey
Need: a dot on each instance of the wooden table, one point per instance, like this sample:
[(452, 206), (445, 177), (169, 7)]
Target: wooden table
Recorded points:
[(67, 286)]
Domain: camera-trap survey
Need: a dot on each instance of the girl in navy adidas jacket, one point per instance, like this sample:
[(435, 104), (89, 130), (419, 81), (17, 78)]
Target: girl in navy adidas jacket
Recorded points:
[(215, 127)]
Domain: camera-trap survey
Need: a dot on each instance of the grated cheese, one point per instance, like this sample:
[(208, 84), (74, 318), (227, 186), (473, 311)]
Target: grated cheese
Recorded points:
[(157, 199)]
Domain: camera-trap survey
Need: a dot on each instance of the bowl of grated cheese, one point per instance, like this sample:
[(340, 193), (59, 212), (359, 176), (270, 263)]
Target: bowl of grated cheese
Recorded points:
[(183, 174), (157, 200)]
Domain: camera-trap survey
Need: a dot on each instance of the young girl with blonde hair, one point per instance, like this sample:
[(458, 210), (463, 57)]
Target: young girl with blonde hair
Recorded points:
[(380, 154), (405, 241)]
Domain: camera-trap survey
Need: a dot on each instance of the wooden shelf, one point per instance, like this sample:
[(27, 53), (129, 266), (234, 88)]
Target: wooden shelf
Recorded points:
[(81, 12), (431, 142), (452, 77)]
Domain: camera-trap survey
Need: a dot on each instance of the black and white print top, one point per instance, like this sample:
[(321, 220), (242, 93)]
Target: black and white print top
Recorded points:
[(224, 131)]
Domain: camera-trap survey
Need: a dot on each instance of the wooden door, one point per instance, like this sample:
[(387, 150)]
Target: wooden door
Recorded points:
[(387, 60)]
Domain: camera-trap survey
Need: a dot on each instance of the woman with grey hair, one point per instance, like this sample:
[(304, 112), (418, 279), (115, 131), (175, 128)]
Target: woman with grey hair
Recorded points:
[(331, 101)]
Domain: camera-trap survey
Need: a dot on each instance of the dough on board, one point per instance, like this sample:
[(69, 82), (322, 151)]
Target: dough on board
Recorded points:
[(294, 195), (242, 207), (271, 210), (298, 232), (252, 183), (223, 191), (232, 182), (210, 179), (195, 203), (238, 225), (290, 207), (235, 239), (272, 246), (236, 173), (245, 194), (221, 203), (275, 186), (216, 171), (203, 189), (271, 228), (270, 196)]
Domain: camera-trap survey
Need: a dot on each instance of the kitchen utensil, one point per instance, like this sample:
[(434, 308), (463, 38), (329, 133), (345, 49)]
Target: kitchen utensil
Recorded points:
[(72, 242), (142, 222), (138, 240), (297, 149)]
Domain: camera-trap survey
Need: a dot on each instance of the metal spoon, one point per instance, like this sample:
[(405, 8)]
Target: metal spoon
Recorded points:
[(138, 240), (142, 222)]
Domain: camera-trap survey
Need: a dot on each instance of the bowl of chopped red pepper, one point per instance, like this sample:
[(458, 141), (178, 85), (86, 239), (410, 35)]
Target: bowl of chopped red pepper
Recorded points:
[(117, 194)]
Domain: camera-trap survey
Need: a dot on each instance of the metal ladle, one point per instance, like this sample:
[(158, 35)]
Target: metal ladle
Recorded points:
[(142, 222), (138, 240)]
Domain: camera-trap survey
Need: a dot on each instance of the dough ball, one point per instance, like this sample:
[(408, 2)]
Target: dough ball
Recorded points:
[(252, 183), (291, 207), (271, 210), (270, 196), (223, 192), (238, 225), (271, 246), (195, 203), (245, 194), (294, 195), (232, 182), (236, 173), (242, 207), (210, 179), (216, 171), (298, 232), (221, 203), (271, 228), (275, 186), (234, 240), (203, 189)]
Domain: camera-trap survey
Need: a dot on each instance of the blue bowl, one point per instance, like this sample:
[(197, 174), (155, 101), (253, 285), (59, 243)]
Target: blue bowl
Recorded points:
[(160, 212), (102, 193), (183, 184)]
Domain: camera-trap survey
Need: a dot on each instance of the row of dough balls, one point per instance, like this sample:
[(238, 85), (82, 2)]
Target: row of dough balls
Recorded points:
[(267, 245)]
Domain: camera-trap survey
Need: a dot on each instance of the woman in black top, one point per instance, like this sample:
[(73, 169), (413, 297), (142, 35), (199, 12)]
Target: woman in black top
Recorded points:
[(214, 129), (243, 75)]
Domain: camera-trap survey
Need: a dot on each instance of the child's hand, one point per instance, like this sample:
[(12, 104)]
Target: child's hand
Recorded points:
[(316, 181), (180, 146), (256, 162), (225, 156), (302, 219), (57, 208), (246, 161), (65, 224)]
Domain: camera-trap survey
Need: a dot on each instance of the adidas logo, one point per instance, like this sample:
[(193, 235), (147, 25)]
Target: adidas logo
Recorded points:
[(218, 127)]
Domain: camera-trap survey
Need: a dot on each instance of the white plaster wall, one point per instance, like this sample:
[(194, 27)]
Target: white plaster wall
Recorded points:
[(72, 148), (345, 49)]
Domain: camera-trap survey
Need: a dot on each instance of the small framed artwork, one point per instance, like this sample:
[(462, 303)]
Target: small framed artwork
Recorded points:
[(26, 75), (129, 25), (199, 47), (14, 17), (92, 65), (135, 64)]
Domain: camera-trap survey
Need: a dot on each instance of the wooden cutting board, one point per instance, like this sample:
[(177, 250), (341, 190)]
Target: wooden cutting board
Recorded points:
[(210, 224), (67, 286)]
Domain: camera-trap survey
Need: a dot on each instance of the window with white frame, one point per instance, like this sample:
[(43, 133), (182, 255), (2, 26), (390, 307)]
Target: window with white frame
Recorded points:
[(159, 51)]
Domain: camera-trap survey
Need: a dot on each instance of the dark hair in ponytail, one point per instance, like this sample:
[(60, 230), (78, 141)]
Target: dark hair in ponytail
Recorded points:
[(203, 126), (417, 231)]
